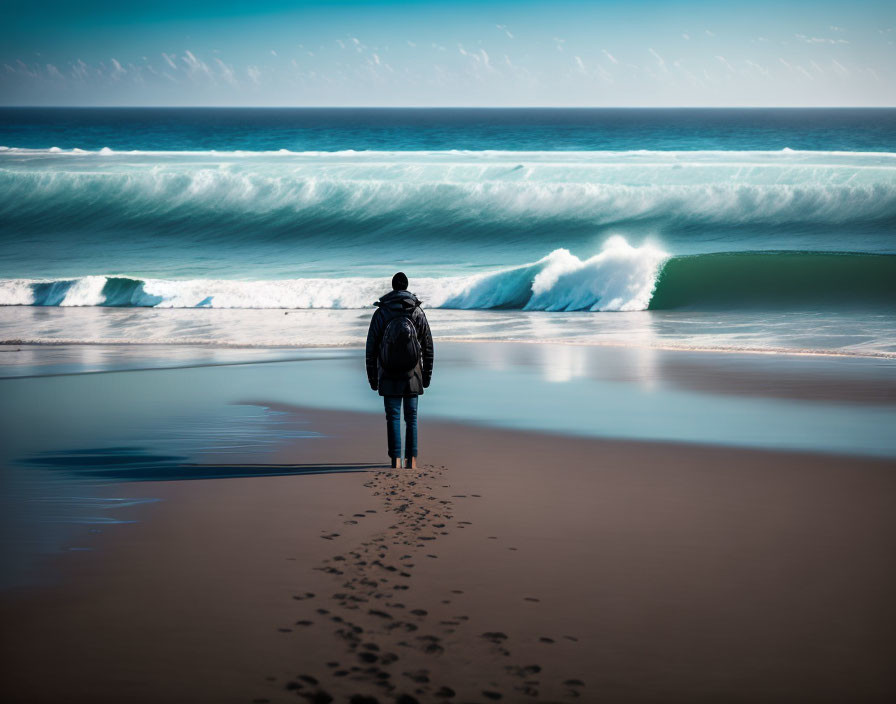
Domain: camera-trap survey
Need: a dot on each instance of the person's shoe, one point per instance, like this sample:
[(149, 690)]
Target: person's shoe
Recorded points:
[(396, 463), (410, 463)]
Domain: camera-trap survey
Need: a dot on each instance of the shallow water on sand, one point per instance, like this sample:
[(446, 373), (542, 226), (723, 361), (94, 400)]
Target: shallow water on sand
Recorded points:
[(848, 332), (71, 441)]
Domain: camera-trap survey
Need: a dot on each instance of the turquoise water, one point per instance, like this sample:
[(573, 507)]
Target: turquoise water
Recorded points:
[(530, 210)]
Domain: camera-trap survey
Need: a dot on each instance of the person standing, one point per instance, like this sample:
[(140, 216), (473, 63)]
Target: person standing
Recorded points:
[(399, 364)]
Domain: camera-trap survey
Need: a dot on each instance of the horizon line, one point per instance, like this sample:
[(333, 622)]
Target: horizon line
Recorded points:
[(459, 107)]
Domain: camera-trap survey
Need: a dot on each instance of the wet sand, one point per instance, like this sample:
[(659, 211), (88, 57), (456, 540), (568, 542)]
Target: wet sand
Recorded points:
[(512, 566)]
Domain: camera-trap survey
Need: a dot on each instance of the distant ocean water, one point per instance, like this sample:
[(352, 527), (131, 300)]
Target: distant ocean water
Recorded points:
[(685, 216)]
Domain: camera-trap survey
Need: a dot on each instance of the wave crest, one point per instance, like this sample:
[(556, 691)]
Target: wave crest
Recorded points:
[(621, 277), (218, 193)]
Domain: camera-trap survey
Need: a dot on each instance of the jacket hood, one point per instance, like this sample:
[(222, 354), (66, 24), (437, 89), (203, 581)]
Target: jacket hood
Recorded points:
[(398, 300)]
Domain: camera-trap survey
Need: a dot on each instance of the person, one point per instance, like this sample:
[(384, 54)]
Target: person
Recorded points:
[(399, 364)]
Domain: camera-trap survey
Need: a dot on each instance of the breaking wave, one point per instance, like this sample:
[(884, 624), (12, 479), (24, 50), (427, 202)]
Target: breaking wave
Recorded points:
[(293, 194), (621, 277)]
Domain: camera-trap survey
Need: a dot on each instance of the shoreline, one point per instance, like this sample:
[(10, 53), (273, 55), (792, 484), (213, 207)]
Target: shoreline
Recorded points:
[(205, 344), (563, 569), (830, 404)]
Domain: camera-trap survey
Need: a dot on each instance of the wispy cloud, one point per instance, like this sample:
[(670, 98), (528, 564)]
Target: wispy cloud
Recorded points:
[(549, 57), (195, 66), (117, 70), (660, 61), (226, 72), (79, 70), (839, 68), (796, 68), (725, 63), (820, 40), (757, 67)]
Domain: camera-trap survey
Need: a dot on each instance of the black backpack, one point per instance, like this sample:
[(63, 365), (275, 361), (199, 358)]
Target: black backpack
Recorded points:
[(400, 349)]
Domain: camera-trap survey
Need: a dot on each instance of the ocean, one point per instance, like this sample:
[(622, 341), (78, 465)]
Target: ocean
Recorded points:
[(745, 230)]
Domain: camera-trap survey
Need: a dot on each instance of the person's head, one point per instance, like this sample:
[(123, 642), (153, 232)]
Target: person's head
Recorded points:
[(400, 282)]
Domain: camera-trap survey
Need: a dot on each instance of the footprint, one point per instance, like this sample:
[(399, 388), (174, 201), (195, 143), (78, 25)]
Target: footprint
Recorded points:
[(525, 671), (494, 636), (431, 644)]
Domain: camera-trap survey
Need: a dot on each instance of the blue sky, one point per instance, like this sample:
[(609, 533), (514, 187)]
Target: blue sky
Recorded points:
[(340, 53)]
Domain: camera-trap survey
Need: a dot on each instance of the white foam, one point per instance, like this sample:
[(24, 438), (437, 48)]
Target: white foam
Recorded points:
[(620, 277), (594, 187), (16, 292), (86, 291)]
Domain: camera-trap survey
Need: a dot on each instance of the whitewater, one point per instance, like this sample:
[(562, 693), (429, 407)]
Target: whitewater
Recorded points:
[(274, 193), (702, 229), (620, 277)]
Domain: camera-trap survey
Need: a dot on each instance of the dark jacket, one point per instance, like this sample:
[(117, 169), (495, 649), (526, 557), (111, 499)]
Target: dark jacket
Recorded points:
[(391, 305)]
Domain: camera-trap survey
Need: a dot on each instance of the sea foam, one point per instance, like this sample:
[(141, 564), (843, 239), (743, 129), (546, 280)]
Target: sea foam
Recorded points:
[(620, 277)]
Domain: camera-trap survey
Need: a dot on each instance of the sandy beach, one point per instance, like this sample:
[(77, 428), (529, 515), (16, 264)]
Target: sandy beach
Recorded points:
[(512, 566)]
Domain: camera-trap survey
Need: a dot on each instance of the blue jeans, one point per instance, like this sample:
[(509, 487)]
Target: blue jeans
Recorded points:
[(393, 406)]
